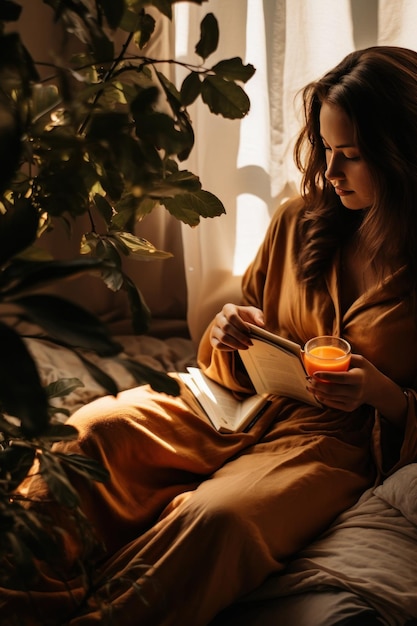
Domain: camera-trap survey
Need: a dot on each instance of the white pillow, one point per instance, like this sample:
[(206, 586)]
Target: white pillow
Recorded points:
[(400, 491)]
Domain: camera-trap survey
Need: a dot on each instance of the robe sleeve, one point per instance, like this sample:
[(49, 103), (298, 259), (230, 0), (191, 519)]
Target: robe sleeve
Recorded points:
[(223, 366), (393, 448), (226, 367)]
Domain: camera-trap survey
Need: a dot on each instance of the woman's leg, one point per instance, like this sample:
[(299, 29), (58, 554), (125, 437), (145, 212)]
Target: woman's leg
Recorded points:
[(154, 448), (218, 542), (208, 516)]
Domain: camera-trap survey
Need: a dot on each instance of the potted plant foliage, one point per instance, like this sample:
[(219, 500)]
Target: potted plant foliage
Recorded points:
[(103, 135)]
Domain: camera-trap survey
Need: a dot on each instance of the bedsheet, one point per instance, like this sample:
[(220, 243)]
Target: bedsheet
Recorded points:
[(168, 354), (369, 552)]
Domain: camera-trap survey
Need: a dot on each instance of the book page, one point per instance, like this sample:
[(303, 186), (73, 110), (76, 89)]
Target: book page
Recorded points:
[(276, 371), (227, 413)]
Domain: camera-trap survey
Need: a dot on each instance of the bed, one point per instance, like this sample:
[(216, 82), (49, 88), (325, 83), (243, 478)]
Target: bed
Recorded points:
[(362, 571)]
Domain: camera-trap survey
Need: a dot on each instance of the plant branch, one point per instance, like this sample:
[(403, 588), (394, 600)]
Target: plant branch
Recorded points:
[(107, 77)]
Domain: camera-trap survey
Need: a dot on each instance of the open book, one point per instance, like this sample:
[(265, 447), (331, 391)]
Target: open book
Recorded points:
[(275, 367), (227, 413)]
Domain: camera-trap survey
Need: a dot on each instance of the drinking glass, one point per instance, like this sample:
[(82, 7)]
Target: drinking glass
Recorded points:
[(326, 354)]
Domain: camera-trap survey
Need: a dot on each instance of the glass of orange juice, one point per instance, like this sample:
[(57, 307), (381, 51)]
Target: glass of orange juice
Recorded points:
[(326, 354)]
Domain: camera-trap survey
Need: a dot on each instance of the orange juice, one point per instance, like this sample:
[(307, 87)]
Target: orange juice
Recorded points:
[(330, 354)]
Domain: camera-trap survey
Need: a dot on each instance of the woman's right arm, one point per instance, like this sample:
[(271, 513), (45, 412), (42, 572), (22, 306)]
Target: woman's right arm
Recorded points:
[(217, 354), (229, 331)]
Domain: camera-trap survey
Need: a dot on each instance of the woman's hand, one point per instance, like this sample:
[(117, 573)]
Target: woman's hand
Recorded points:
[(363, 383), (229, 330)]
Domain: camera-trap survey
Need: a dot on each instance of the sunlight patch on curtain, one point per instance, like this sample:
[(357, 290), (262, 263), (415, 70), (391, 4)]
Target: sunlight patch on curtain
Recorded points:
[(182, 31), (249, 231), (254, 141)]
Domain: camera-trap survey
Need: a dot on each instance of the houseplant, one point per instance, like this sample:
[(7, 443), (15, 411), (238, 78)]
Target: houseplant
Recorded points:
[(102, 135)]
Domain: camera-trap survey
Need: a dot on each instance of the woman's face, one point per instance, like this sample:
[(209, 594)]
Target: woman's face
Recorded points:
[(346, 170)]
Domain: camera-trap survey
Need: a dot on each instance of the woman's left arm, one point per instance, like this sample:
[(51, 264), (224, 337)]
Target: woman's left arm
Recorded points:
[(362, 384)]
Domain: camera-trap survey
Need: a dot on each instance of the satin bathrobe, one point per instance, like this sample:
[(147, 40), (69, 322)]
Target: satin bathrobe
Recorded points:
[(198, 518)]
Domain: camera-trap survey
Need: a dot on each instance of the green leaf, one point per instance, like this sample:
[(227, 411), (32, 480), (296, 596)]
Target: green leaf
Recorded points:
[(58, 410), (113, 276), (209, 36), (78, 20), (190, 207), (22, 274), (30, 535), (58, 136), (15, 463), (103, 48), (145, 206), (62, 387), (190, 88), (64, 185), (144, 101), (183, 180), (84, 69), (181, 117), (84, 465), (224, 97), (18, 228), (170, 90), (104, 207), (104, 247), (9, 11), (144, 30), (160, 130), (69, 323), (105, 125), (60, 432), (141, 315), (101, 248), (101, 377), (57, 481), (139, 248), (44, 99), (125, 216), (233, 69), (159, 381), (21, 391), (111, 177), (24, 568), (130, 21), (11, 145), (113, 10)]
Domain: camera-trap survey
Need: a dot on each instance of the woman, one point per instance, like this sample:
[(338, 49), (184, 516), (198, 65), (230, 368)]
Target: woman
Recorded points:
[(209, 516)]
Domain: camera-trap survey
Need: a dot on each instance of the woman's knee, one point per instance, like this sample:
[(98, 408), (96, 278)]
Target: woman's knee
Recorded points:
[(218, 515)]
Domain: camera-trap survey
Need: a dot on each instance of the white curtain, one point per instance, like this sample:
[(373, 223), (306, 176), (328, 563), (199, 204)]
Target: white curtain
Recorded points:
[(248, 164), (397, 23)]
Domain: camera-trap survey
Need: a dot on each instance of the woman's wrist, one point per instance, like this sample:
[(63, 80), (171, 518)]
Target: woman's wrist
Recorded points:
[(392, 403)]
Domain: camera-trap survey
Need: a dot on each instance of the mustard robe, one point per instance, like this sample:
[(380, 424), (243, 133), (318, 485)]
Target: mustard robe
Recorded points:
[(208, 516)]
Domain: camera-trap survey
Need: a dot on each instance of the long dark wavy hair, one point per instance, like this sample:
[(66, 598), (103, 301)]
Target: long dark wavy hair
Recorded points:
[(377, 88)]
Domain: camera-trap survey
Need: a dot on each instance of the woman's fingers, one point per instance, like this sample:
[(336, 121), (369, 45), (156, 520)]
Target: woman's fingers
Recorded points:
[(229, 330)]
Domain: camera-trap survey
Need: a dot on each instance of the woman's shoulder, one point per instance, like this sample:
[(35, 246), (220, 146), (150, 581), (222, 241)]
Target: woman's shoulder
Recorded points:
[(282, 227), (290, 208), (287, 213)]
